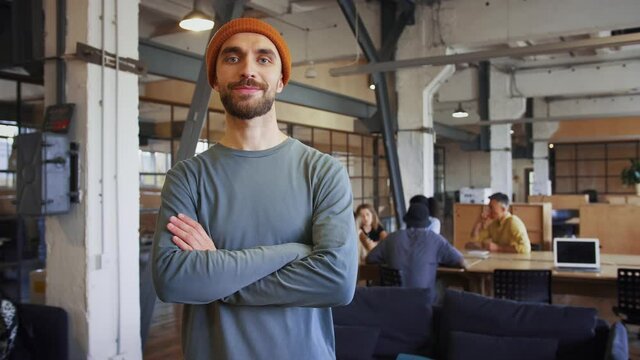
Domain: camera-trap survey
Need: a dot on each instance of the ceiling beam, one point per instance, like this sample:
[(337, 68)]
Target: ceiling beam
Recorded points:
[(553, 119), (473, 57)]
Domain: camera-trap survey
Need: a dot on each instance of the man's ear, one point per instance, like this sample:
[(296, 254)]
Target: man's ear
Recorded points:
[(215, 84), (280, 85)]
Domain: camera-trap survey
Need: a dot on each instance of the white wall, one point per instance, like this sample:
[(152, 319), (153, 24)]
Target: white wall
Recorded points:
[(466, 168), (471, 169)]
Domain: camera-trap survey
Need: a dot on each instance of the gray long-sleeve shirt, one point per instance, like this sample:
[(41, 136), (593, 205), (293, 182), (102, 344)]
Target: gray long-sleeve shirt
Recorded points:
[(287, 251), (417, 253)]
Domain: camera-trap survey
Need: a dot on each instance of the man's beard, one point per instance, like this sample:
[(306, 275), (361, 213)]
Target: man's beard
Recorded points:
[(246, 108)]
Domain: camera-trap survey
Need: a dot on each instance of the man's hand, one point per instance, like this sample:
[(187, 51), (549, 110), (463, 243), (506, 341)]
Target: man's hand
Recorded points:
[(472, 245), (189, 234), (493, 247)]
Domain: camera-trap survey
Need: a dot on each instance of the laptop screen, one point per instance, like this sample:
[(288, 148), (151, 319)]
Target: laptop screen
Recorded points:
[(578, 252)]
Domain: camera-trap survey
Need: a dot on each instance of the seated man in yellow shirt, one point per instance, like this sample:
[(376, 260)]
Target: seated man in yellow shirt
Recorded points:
[(498, 231)]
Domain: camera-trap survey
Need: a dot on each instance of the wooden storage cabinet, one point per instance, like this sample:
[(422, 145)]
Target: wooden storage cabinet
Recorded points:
[(536, 217), (616, 226), (561, 202)]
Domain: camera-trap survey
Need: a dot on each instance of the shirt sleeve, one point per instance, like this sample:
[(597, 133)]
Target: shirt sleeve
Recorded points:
[(484, 235), (519, 237), (327, 277), (200, 277), (447, 254)]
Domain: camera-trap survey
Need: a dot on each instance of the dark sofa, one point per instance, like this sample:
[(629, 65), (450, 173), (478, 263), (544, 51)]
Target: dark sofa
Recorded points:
[(42, 333), (383, 322)]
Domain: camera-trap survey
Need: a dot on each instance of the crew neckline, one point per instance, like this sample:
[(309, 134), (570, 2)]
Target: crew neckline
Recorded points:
[(254, 153)]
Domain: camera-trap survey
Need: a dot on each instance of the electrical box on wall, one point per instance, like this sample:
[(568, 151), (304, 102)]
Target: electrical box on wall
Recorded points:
[(44, 173)]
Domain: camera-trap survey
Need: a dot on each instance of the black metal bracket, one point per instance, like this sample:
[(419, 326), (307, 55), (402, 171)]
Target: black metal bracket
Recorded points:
[(74, 180), (94, 55)]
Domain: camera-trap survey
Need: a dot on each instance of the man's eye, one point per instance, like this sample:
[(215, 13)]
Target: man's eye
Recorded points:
[(264, 60), (232, 59)]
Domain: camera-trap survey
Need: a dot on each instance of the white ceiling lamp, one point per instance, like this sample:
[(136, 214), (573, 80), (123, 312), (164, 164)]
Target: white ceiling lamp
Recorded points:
[(196, 20), (311, 72), (459, 112)]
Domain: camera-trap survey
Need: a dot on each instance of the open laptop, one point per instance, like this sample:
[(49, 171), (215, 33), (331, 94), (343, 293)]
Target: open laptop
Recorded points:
[(576, 254)]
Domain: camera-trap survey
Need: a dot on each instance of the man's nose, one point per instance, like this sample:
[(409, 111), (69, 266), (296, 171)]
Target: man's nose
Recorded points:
[(248, 69)]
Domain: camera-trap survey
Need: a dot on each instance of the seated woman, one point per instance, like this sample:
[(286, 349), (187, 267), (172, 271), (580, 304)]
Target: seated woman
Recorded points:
[(370, 231)]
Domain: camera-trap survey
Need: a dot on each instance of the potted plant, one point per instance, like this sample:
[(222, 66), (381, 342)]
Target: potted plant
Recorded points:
[(631, 175)]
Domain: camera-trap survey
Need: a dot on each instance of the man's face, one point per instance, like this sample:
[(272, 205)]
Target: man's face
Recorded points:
[(496, 209), (248, 75)]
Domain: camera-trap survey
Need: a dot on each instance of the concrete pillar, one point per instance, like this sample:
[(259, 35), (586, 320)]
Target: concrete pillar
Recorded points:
[(502, 105), (542, 132), (92, 252), (415, 88)]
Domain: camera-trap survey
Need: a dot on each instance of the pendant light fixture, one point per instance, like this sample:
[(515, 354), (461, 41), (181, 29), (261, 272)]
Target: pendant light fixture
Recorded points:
[(459, 112), (311, 72), (196, 20)]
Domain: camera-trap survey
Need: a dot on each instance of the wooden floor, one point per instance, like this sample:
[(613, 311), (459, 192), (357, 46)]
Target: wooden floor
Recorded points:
[(164, 335)]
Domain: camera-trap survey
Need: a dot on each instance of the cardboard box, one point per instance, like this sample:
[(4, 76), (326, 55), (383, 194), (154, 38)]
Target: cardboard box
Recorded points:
[(475, 195)]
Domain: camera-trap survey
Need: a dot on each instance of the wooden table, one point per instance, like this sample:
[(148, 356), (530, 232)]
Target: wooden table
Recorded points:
[(592, 284), (479, 272)]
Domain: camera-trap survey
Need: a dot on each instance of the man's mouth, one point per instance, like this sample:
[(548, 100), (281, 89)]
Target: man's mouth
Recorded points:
[(246, 87)]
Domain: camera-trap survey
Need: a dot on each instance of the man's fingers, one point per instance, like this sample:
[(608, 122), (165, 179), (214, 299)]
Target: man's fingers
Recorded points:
[(194, 224), (181, 244), (190, 232), (185, 227), (185, 236)]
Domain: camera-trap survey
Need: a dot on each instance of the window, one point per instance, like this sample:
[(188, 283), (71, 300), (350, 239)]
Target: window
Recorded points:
[(592, 166), (7, 156)]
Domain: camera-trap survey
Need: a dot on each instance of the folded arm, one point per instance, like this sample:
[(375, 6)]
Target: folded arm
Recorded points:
[(203, 276), (327, 277)]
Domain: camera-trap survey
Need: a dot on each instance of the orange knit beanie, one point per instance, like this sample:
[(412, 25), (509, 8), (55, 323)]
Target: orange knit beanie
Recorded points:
[(246, 25)]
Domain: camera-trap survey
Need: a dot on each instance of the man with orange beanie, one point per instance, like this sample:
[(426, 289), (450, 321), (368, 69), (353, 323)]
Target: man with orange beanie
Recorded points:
[(256, 234)]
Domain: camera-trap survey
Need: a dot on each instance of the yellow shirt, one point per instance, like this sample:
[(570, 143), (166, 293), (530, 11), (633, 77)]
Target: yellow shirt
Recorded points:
[(510, 231)]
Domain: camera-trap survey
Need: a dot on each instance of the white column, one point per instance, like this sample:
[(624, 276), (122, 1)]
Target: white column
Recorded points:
[(502, 105), (92, 252), (542, 132), (415, 88)]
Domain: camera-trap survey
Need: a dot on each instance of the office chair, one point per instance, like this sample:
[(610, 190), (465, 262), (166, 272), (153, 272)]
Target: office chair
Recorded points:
[(522, 285), (628, 284), (390, 276)]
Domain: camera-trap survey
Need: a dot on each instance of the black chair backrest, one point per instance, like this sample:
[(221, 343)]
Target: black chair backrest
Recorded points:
[(390, 276), (523, 285), (628, 284)]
